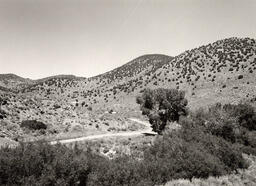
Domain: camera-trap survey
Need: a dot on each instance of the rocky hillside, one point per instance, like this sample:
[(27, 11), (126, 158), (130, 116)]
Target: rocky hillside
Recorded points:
[(97, 89), (220, 71), (147, 64), (223, 71), (13, 82)]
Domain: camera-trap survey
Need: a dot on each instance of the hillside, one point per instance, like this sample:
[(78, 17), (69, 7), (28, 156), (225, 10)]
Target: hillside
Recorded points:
[(12, 81), (223, 71), (97, 89), (149, 63)]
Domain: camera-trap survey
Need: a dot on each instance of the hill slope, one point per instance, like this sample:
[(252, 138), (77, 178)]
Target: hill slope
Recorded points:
[(62, 102), (94, 90), (12, 81), (223, 71)]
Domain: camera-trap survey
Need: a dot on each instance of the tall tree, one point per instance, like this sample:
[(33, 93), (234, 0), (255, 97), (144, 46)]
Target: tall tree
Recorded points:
[(162, 106)]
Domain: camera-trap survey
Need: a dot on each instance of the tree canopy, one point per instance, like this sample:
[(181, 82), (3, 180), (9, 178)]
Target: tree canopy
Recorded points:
[(162, 106)]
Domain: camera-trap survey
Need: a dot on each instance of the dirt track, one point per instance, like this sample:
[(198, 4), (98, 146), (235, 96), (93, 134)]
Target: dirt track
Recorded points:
[(148, 130)]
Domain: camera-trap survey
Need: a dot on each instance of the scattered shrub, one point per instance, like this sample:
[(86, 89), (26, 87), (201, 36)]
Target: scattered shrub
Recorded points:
[(83, 104), (33, 125), (240, 77), (56, 106)]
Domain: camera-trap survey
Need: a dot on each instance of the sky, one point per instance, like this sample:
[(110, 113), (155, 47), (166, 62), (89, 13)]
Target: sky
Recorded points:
[(40, 38)]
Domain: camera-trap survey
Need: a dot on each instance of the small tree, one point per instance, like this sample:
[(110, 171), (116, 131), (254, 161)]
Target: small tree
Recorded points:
[(162, 106)]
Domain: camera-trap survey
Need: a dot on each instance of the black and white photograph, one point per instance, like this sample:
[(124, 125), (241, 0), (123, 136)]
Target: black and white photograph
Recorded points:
[(127, 92)]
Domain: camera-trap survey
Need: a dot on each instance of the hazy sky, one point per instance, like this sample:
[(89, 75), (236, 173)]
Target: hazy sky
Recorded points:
[(39, 38)]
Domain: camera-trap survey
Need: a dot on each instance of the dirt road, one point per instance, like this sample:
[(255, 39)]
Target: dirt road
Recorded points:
[(148, 130)]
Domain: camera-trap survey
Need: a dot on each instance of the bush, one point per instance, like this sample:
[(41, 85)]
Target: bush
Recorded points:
[(118, 172), (42, 164), (190, 152), (33, 125), (246, 115), (227, 153), (2, 114), (234, 123), (240, 77)]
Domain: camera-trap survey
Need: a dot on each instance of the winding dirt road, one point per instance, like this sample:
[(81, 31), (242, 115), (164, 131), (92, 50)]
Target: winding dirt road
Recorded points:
[(148, 130)]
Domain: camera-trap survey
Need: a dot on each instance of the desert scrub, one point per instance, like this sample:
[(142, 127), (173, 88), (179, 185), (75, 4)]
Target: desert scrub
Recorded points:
[(186, 153)]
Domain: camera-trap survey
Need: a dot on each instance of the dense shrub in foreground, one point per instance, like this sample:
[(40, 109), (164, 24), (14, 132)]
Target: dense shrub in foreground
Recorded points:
[(42, 164), (190, 152), (234, 123), (179, 154)]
